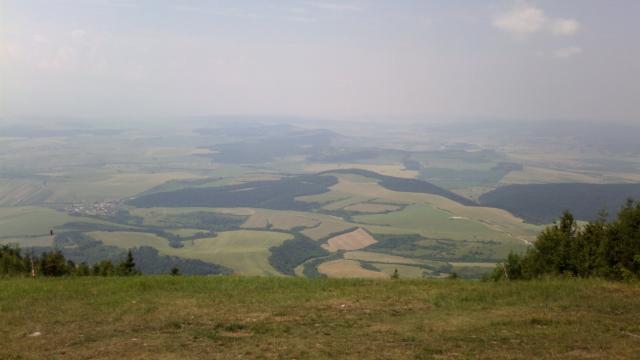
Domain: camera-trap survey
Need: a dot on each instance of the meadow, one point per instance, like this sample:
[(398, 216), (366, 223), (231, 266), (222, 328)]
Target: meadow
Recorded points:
[(166, 317), (244, 251)]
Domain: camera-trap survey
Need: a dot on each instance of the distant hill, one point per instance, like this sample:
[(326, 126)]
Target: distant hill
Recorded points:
[(268, 148), (543, 203), (406, 185)]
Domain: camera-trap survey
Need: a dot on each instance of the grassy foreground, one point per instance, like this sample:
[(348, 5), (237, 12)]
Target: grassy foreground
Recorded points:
[(288, 318)]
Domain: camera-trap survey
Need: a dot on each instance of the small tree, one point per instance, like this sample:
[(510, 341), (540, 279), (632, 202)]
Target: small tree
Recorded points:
[(83, 269), (103, 268), (53, 264), (128, 266), (175, 271)]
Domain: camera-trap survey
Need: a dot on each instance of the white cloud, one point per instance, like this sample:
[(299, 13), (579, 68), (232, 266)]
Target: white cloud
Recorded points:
[(567, 52), (526, 19), (565, 26), (522, 20)]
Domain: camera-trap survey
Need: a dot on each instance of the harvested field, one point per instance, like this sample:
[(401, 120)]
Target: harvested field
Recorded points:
[(326, 228), (397, 170), (404, 271), (279, 220), (381, 258), (354, 240), (348, 269)]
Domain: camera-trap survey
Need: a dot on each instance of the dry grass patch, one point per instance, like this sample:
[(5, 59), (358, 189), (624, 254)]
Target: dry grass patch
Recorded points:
[(357, 239), (396, 170), (348, 269), (280, 220), (381, 258), (372, 207), (326, 228)]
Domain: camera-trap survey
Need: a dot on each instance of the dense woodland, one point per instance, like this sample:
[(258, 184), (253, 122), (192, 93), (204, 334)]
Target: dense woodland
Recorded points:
[(14, 263), (599, 249), (543, 203)]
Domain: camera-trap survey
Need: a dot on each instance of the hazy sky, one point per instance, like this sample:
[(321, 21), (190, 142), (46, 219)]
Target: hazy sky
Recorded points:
[(570, 59)]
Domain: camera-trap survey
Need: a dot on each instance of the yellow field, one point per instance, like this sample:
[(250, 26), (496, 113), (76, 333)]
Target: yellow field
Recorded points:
[(326, 228), (381, 258), (372, 207), (263, 218), (404, 271), (397, 170), (39, 241), (354, 240), (474, 264), (328, 197), (348, 269), (346, 202)]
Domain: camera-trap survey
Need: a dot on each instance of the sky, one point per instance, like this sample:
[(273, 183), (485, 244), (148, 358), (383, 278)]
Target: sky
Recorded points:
[(357, 59)]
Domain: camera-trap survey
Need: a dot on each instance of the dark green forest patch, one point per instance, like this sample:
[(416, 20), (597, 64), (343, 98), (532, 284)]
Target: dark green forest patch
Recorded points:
[(542, 203), (273, 194)]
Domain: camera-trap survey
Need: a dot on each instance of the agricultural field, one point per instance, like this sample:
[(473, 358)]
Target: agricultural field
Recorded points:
[(32, 221), (354, 240), (280, 199), (348, 269), (244, 251), (433, 223)]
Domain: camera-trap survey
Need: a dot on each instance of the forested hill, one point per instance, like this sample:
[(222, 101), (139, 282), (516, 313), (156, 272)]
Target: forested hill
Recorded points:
[(269, 194), (405, 185), (542, 203)]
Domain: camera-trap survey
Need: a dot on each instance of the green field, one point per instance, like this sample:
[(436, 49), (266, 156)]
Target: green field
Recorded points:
[(244, 251), (277, 318), (30, 221), (433, 223)]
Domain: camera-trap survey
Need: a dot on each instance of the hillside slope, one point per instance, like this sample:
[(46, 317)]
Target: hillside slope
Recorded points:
[(269, 318), (543, 203)]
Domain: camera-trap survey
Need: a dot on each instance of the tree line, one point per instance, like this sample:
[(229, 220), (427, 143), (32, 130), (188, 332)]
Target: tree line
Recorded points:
[(600, 248), (14, 263)]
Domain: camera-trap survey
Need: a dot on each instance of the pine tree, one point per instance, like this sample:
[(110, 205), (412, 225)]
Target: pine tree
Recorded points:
[(128, 266)]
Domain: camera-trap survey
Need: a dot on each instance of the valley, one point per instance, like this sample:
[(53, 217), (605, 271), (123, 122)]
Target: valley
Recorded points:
[(276, 200)]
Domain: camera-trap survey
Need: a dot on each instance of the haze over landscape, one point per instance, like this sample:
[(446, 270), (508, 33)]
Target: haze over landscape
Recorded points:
[(417, 60), (319, 179)]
